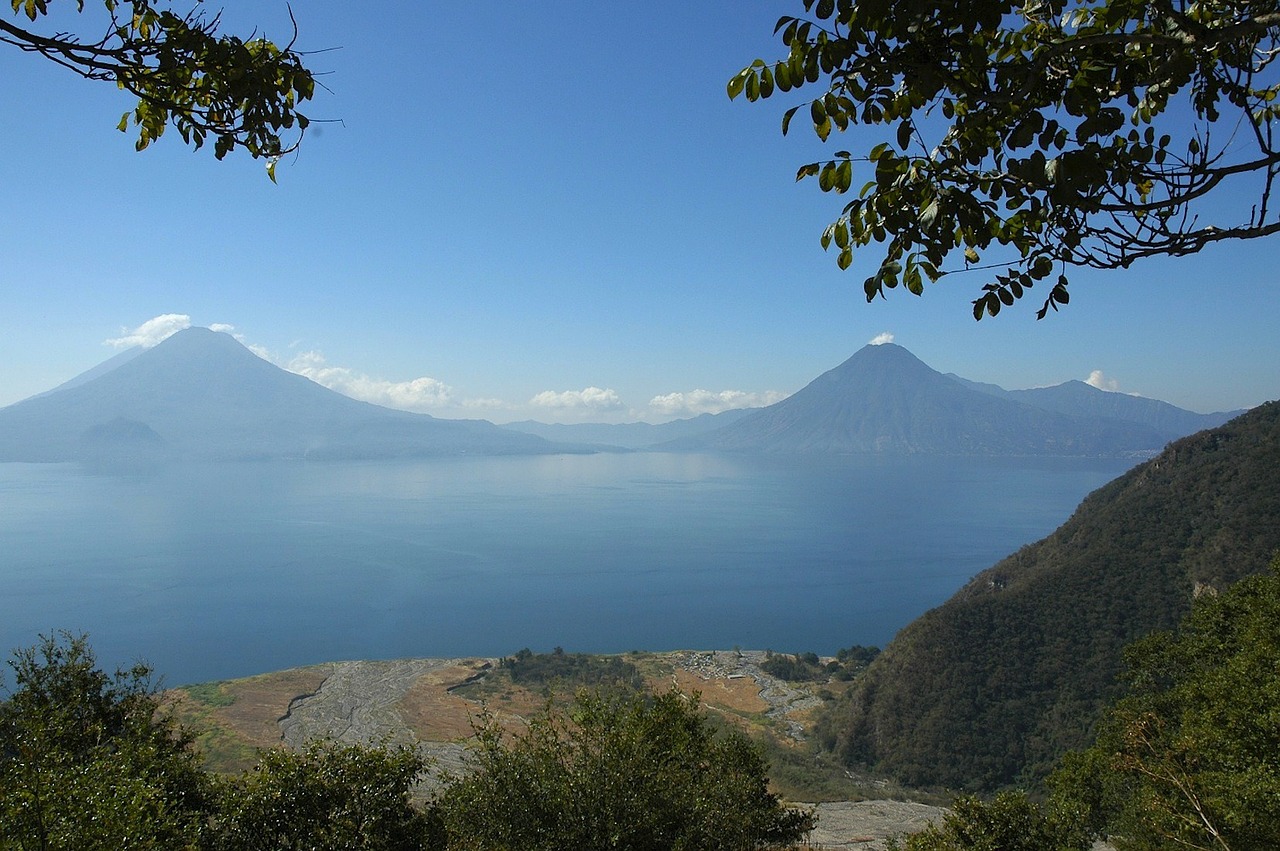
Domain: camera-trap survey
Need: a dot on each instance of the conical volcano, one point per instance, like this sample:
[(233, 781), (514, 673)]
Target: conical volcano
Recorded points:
[(885, 399), (201, 394)]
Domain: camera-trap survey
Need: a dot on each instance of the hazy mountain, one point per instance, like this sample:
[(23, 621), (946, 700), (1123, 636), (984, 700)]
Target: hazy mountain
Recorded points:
[(992, 389), (101, 369), (884, 399), (1080, 399), (992, 686), (201, 394), (629, 435)]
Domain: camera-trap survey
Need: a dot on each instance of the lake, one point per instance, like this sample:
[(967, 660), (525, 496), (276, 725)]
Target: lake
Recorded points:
[(220, 571)]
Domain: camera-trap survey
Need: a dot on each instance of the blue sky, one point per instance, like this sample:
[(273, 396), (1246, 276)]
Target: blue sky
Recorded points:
[(545, 211)]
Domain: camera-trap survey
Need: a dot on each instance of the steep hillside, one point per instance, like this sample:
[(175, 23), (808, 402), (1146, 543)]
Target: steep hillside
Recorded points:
[(996, 683)]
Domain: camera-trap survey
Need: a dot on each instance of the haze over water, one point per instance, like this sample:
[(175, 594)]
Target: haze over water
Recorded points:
[(216, 571)]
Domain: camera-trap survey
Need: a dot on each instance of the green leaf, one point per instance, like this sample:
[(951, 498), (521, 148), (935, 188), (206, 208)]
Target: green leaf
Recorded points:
[(913, 281), (786, 119), (817, 112), (841, 235), (844, 176), (904, 134), (782, 76), (929, 214)]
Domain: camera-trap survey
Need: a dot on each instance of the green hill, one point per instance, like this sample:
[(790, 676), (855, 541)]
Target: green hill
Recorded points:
[(992, 686)]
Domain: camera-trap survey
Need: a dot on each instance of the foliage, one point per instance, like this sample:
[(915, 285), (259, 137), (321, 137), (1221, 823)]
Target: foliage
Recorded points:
[(90, 761), (853, 661), (808, 668), (801, 772), (992, 687), (800, 668), (328, 796), (184, 73), (1032, 135), (616, 772), (1008, 822), (1188, 758), (558, 668)]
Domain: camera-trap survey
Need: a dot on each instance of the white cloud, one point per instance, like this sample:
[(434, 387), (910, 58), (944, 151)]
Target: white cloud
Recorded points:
[(418, 394), (588, 399), (224, 328), (708, 402), (487, 404), (1097, 379), (880, 339), (151, 332)]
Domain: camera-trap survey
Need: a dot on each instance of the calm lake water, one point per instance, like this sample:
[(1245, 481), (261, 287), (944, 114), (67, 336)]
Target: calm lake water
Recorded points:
[(222, 571)]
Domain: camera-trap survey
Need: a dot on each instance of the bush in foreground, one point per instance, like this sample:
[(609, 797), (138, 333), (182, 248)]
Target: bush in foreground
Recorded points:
[(90, 761), (349, 797), (617, 771)]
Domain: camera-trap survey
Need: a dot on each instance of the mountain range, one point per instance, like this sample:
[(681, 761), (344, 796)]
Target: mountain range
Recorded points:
[(885, 399), (201, 394)]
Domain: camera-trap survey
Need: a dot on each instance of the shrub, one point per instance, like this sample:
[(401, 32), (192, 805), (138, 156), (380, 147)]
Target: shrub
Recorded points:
[(617, 771)]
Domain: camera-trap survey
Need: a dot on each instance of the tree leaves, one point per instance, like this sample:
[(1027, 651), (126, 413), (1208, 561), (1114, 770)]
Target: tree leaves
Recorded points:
[(245, 94), (91, 760), (617, 771), (1187, 758), (329, 795), (1034, 140)]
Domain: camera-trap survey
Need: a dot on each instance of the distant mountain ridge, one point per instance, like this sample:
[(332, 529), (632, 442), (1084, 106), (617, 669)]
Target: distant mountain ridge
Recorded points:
[(1081, 399), (994, 685), (201, 394), (636, 435), (884, 399)]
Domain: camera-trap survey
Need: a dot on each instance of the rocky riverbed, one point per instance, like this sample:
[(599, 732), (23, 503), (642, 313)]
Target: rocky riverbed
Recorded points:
[(422, 703)]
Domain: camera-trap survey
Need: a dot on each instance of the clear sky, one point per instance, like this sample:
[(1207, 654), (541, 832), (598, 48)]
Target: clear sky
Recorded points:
[(539, 210)]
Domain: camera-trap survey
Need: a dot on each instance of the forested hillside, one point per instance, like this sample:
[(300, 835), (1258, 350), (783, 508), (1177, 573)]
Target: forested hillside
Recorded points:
[(995, 684)]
